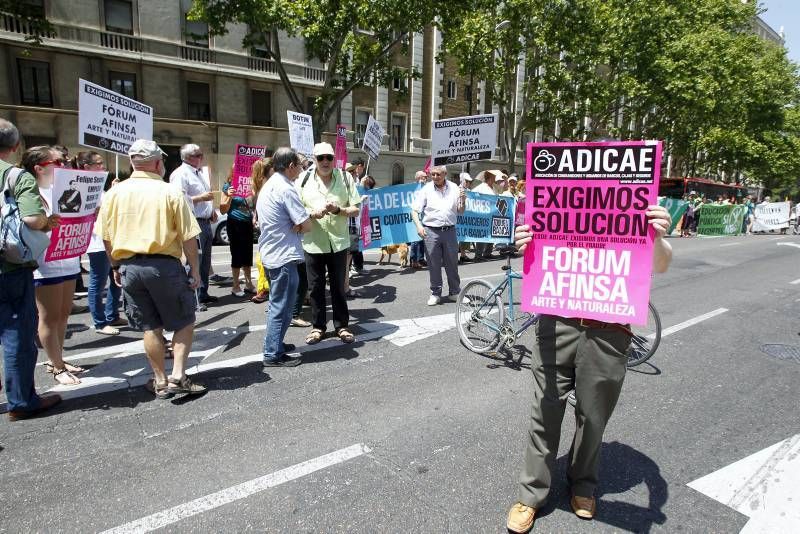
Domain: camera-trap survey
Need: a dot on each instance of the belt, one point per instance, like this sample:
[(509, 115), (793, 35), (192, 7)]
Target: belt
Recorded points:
[(439, 227), (204, 219), (591, 323), (145, 256)]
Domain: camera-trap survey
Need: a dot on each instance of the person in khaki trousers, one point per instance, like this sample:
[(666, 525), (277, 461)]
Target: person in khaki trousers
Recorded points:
[(589, 357)]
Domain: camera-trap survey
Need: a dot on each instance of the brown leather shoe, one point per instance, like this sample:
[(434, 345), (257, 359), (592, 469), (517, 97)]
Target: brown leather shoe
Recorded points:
[(520, 518), (583, 507), (47, 402)]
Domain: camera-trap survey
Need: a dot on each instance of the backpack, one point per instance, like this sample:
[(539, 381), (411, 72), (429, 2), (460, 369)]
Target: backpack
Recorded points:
[(18, 243)]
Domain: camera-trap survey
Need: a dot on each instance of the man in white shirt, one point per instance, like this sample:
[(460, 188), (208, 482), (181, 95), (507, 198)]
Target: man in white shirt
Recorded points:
[(440, 201), (189, 179), (491, 181)]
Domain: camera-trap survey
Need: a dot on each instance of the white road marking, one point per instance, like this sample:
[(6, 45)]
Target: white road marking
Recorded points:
[(787, 244), (240, 491), (493, 275), (691, 322), (730, 244), (795, 282), (760, 486)]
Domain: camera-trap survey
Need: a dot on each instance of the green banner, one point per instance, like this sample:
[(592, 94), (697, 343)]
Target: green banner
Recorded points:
[(676, 209), (721, 220)]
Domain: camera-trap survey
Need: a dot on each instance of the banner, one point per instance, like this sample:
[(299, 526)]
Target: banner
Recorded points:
[(76, 195), (388, 216), (771, 216), (463, 139), (340, 157), (519, 214), (676, 209), (592, 250), (366, 226), (110, 121), (373, 138), (246, 155), (301, 132), (486, 219), (725, 219)]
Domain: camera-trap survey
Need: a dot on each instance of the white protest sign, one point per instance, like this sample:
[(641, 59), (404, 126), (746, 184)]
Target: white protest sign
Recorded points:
[(463, 139), (771, 216), (373, 138), (75, 196), (301, 132), (110, 121)]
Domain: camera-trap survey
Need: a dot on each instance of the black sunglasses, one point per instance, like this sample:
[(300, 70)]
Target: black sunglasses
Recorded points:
[(325, 157)]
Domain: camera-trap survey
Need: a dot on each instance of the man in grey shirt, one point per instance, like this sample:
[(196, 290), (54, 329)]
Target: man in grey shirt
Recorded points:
[(440, 201), (281, 219)]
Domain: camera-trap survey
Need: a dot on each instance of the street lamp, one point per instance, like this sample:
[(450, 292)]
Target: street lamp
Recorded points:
[(498, 27)]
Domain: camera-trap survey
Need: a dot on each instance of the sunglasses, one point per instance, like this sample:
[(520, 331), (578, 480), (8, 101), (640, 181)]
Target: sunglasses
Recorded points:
[(325, 157), (200, 155), (56, 162)]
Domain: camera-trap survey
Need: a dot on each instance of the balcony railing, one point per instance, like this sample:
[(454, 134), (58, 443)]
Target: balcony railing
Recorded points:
[(261, 65), (120, 41), (194, 53), (315, 74), (14, 24)]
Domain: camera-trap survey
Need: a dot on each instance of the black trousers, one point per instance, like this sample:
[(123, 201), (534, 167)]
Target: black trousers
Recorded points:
[(334, 264)]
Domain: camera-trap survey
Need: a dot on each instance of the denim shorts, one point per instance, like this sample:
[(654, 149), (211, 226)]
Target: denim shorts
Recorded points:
[(39, 282)]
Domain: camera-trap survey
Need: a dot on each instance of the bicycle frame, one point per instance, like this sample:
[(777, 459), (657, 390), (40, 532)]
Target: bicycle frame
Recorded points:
[(505, 328)]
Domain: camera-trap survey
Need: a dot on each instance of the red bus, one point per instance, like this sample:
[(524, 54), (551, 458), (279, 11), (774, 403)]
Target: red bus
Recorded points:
[(678, 187)]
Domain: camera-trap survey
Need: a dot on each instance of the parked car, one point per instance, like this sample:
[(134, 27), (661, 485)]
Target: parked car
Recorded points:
[(219, 230)]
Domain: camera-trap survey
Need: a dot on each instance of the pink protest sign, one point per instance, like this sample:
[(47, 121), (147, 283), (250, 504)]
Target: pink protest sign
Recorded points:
[(366, 226), (592, 250), (246, 155), (340, 158), (75, 196), (519, 215)]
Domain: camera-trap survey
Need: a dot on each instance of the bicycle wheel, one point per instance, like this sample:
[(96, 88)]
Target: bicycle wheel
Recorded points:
[(645, 338), (479, 314)]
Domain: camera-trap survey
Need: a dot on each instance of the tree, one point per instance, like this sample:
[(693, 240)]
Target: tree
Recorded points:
[(35, 23), (354, 39)]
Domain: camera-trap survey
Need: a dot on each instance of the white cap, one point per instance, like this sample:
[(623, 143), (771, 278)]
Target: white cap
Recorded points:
[(145, 150), (321, 149), (465, 177)]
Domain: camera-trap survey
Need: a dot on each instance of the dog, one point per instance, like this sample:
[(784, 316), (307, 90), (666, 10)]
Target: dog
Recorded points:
[(401, 250)]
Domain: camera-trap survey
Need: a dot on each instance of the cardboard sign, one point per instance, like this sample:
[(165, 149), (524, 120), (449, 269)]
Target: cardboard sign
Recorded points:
[(373, 138), (388, 212), (340, 156), (110, 121), (771, 216), (246, 155), (592, 250), (463, 139), (724, 219), (301, 132), (75, 196), (486, 219), (364, 221)]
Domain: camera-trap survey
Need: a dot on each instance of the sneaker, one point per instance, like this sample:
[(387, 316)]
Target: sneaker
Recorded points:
[(184, 385), (298, 321), (433, 300), (284, 361), (219, 279), (288, 347), (119, 322), (201, 307), (353, 271), (209, 299), (239, 293)]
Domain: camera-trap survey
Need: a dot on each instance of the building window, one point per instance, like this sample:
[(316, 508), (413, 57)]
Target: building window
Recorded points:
[(34, 9), (262, 50), (398, 84), (123, 83), (467, 93), (310, 102), (119, 16), (397, 139), (362, 118), (398, 173), (261, 108), (452, 90), (198, 96), (34, 83)]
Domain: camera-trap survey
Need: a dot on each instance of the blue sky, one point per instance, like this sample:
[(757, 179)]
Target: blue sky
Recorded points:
[(785, 13)]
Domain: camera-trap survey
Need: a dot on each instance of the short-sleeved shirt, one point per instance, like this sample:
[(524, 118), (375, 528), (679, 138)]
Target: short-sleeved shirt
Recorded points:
[(190, 182), (54, 268), (439, 208), (26, 193), (484, 189), (240, 209), (145, 215), (330, 233), (279, 209)]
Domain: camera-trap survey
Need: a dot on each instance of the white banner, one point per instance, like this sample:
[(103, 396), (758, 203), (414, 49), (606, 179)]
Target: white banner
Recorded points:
[(110, 121), (771, 216), (463, 139), (373, 138), (301, 132)]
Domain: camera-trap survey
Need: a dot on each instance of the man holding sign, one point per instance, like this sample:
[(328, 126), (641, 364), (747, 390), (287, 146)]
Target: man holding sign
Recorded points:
[(612, 186)]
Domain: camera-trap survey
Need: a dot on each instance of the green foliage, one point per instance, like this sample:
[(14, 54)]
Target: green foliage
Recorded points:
[(32, 15)]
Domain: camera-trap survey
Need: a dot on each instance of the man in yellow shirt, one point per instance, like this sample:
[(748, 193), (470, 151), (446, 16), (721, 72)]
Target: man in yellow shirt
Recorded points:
[(146, 225)]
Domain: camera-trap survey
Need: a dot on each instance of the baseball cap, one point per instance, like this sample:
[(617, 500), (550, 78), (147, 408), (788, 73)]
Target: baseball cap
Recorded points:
[(321, 149), (464, 176), (145, 150), (513, 177)]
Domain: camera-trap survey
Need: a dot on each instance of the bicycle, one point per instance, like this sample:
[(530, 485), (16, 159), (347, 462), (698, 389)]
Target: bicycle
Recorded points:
[(485, 324)]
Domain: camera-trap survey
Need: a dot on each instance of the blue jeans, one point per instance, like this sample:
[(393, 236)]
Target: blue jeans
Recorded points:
[(99, 274), (206, 240), (18, 322), (283, 283), (417, 251)]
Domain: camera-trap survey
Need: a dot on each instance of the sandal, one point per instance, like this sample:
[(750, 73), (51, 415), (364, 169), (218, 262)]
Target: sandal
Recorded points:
[(345, 335), (250, 289), (314, 337), (261, 296), (65, 378), (107, 330), (74, 369), (184, 386)]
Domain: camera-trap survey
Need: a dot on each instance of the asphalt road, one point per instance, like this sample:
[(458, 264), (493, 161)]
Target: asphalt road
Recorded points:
[(407, 431)]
